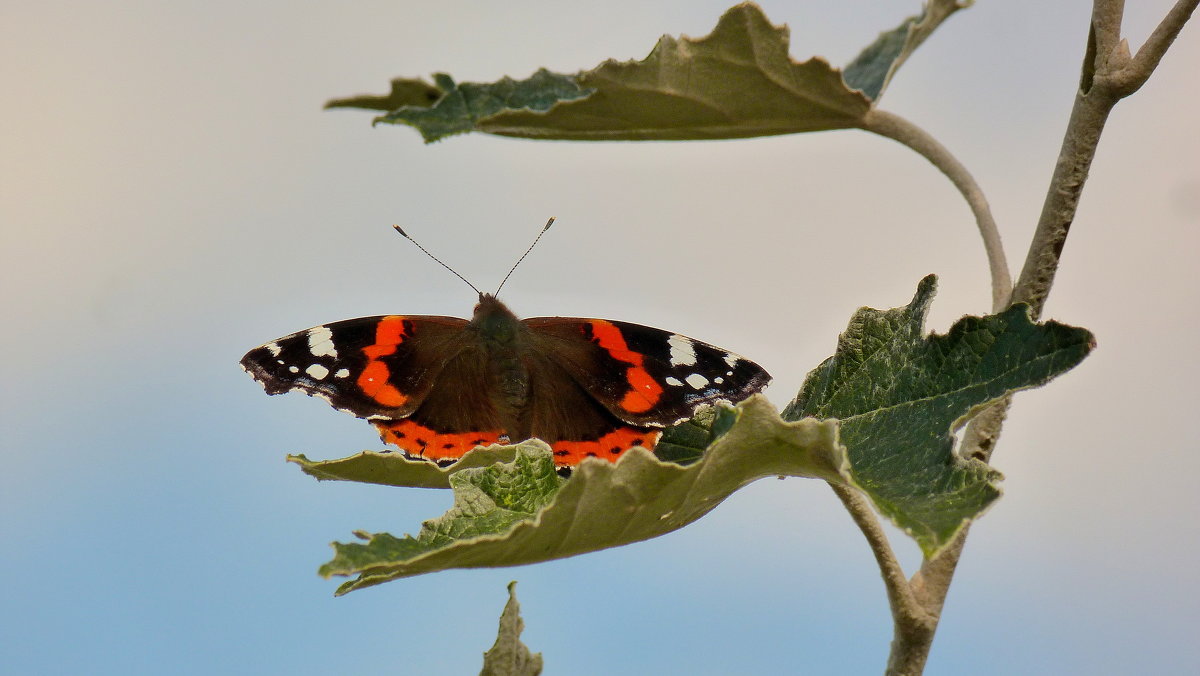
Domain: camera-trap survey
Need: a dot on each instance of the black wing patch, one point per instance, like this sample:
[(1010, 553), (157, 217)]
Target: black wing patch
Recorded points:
[(642, 375), (372, 367)]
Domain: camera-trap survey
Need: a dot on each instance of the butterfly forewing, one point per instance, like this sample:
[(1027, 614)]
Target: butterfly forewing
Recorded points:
[(372, 367), (643, 375)]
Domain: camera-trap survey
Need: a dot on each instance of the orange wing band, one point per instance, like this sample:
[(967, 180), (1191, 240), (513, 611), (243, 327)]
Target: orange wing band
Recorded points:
[(423, 442), (645, 391), (610, 446), (373, 380)]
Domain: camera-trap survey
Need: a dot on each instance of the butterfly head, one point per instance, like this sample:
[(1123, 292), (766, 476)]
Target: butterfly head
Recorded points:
[(494, 319)]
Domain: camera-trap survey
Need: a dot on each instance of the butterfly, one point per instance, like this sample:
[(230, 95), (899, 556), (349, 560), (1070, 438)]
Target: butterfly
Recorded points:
[(437, 386)]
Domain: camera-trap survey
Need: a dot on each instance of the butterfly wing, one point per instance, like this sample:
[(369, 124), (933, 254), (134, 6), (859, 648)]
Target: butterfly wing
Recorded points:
[(644, 376), (565, 415), (381, 368), (457, 413)]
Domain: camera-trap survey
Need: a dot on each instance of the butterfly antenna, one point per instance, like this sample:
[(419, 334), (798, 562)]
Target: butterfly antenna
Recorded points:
[(426, 252), (514, 267)]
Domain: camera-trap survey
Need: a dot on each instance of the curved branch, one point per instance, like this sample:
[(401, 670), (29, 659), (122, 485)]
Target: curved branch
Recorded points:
[(899, 593), (902, 131)]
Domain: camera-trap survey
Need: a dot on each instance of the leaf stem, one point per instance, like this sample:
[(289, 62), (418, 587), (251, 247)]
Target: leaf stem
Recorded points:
[(913, 626), (894, 579), (902, 131)]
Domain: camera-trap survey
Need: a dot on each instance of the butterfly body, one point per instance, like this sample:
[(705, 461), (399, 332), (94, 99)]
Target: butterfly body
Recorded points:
[(440, 386)]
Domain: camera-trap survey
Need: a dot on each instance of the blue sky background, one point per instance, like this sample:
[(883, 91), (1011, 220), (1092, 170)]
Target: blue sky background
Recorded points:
[(172, 195)]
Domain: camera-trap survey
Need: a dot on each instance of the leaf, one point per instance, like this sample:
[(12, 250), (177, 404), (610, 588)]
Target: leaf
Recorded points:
[(523, 512), (899, 395), (405, 92), (508, 656), (737, 82), (872, 70), (461, 107), (683, 444), (393, 469)]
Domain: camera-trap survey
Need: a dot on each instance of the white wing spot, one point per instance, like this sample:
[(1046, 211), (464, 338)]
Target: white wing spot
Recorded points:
[(683, 353), (341, 373), (274, 349), (718, 380), (673, 381), (696, 380), (317, 371), (732, 360), (294, 369), (320, 342)]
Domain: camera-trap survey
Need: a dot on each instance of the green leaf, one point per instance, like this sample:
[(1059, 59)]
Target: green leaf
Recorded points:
[(523, 512), (462, 107), (899, 395), (684, 443), (872, 70), (508, 656)]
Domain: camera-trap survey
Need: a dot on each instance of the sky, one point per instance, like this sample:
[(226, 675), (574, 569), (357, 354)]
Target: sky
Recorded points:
[(172, 195)]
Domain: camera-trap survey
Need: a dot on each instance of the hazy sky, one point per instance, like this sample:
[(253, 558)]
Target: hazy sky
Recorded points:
[(172, 194)]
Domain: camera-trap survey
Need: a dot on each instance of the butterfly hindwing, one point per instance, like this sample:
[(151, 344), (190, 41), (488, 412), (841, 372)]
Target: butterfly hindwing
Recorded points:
[(457, 412), (566, 415), (371, 367), (645, 376)]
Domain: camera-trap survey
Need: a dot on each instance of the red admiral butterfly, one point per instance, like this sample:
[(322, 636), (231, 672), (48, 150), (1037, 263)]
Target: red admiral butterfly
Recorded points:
[(439, 386)]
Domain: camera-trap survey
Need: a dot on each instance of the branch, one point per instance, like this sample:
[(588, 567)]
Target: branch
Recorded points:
[(1135, 74), (902, 131), (899, 594), (913, 626), (1106, 30), (1108, 77)]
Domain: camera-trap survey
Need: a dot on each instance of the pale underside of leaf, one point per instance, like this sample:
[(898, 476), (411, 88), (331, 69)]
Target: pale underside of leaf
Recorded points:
[(393, 469), (739, 81), (682, 444), (509, 656), (602, 505)]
